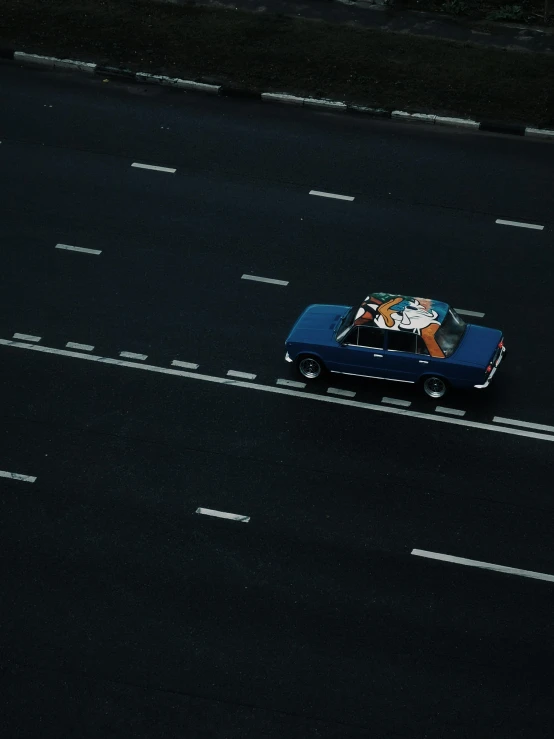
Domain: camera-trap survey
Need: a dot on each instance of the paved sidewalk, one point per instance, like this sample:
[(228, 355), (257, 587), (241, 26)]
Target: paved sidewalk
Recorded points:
[(366, 14)]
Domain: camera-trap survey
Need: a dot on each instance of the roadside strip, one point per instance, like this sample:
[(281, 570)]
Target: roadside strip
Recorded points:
[(280, 390), (288, 98)]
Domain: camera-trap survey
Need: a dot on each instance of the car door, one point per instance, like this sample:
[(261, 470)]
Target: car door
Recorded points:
[(362, 352), (407, 356)]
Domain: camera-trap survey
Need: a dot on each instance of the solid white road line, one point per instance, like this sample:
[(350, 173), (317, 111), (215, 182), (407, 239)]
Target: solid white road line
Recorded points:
[(523, 424), (80, 347), (291, 383), (26, 337), (520, 225), (15, 476), (281, 391), (451, 411), (132, 355), (395, 401), (221, 514), (151, 166), (482, 565), (330, 195), (241, 375), (337, 391), (264, 279), (469, 313), (78, 248), (184, 365)]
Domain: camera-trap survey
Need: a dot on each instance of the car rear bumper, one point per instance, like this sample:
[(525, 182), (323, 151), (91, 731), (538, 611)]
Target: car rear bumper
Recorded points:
[(287, 358), (496, 366)]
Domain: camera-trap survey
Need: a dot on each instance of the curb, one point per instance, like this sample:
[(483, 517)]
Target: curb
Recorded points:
[(50, 62)]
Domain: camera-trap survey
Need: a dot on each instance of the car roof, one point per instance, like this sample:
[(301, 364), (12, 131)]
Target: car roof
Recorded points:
[(400, 312)]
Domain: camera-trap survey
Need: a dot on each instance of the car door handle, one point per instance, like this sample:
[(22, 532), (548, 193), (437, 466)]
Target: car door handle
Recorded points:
[(423, 361), (378, 355)]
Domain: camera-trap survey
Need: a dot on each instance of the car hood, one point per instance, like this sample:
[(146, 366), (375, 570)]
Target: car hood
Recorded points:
[(316, 322), (477, 346)]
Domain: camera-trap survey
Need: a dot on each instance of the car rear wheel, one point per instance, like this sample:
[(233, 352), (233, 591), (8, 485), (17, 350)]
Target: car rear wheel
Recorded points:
[(435, 387), (310, 367)]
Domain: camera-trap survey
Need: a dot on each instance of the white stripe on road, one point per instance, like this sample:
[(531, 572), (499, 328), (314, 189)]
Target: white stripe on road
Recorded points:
[(330, 195), (451, 411), (482, 565), (132, 355), (264, 279), (337, 391), (221, 514), (291, 383), (395, 401), (184, 365), (474, 313), (80, 347), (519, 224), (281, 391), (26, 337), (151, 166), (78, 248), (15, 476), (523, 424), (241, 375)]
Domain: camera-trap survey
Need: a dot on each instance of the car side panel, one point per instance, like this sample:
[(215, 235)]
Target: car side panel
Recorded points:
[(329, 355), (361, 360)]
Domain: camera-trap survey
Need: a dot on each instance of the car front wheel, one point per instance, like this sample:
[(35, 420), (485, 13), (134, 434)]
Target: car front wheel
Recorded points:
[(435, 387), (310, 367)]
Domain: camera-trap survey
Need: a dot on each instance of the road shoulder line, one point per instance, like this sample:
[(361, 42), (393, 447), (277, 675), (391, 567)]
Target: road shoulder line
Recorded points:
[(281, 391)]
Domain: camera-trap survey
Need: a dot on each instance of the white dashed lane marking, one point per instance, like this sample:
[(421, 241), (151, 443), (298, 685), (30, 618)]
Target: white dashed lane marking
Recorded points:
[(312, 397), (15, 476), (482, 565), (221, 514), (79, 347), (330, 195), (450, 411), (337, 391), (151, 166), (241, 375), (264, 279), (291, 383), (473, 313), (523, 424), (26, 337), (519, 224), (132, 355), (185, 365), (78, 248), (396, 401)]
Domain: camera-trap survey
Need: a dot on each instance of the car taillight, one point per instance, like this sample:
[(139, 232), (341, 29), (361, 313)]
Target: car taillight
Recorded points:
[(501, 344), (489, 369)]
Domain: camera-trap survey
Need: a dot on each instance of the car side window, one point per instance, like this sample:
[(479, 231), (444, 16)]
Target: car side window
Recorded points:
[(421, 347), (352, 338), (400, 341), (373, 338)]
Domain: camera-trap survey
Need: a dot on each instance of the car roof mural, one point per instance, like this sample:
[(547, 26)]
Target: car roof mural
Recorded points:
[(420, 316)]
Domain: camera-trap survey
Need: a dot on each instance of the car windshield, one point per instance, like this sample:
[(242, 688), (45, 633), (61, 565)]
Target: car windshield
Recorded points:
[(450, 333), (345, 323)]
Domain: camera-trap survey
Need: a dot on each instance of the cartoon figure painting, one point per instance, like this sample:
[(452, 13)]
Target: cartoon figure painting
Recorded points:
[(400, 313)]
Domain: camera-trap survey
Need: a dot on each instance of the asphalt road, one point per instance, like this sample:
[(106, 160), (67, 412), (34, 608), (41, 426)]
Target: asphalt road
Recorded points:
[(126, 613)]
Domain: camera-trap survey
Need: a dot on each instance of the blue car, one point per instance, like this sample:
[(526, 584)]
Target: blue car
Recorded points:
[(395, 337)]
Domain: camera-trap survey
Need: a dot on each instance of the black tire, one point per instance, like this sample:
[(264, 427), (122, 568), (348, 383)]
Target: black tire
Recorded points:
[(310, 367), (434, 386)]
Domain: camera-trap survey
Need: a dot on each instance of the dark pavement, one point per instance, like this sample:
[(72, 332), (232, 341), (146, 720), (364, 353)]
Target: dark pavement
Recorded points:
[(513, 36), (123, 613)]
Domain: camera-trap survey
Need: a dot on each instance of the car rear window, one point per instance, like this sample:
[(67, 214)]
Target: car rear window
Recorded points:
[(450, 332)]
